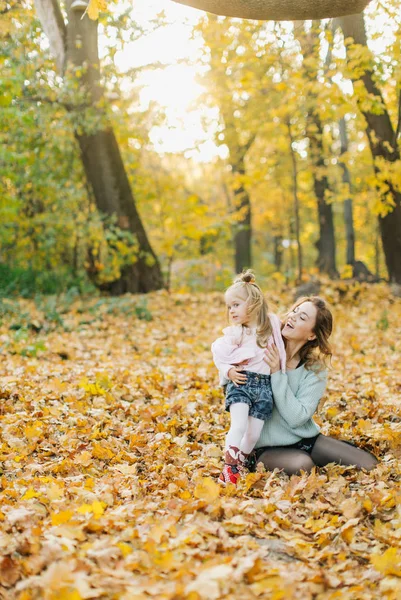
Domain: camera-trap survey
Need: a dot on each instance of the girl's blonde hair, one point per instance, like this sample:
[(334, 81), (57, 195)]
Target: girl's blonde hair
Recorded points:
[(246, 288)]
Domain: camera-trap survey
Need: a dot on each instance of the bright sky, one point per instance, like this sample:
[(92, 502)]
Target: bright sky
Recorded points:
[(175, 87)]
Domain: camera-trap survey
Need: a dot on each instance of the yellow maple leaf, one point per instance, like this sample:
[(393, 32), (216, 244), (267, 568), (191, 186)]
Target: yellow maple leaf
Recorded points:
[(388, 563), (84, 509), (97, 508), (34, 430), (84, 458), (101, 452), (30, 493), (164, 560), (207, 490), (273, 585), (54, 492), (125, 548), (92, 389), (61, 517)]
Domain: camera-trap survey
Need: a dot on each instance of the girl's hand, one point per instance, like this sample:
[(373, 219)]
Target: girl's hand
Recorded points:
[(236, 376), (272, 358)]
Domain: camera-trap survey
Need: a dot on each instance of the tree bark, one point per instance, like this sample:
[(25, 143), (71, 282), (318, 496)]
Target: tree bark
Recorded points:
[(101, 157), (52, 21), (295, 201), (381, 136), (242, 227), (326, 244), (278, 252), (283, 10), (348, 207)]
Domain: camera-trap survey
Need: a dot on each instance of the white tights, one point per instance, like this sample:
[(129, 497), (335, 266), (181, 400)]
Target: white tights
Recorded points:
[(244, 431)]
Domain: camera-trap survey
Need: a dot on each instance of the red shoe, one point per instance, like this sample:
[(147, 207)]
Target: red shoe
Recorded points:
[(230, 474)]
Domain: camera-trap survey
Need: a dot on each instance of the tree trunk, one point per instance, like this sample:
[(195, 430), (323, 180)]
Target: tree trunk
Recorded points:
[(348, 208), (381, 136), (326, 244), (105, 171), (101, 157), (242, 227), (296, 201), (52, 21), (279, 10), (278, 252), (377, 251)]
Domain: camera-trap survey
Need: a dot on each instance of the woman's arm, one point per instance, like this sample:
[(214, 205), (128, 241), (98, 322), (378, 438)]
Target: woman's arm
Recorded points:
[(297, 409)]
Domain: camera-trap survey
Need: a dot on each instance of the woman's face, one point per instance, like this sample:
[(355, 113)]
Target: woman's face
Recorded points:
[(300, 323)]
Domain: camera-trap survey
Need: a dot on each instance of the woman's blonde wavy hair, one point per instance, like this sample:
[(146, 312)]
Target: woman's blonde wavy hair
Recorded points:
[(246, 288)]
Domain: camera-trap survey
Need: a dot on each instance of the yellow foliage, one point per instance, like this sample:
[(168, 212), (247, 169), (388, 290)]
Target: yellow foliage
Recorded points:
[(207, 490), (96, 6), (102, 452), (61, 517), (388, 563)]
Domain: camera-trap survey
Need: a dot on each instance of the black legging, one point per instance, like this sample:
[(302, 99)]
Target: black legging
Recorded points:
[(326, 450)]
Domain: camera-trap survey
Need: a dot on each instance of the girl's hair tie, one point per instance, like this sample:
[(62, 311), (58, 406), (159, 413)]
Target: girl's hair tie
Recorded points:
[(245, 277)]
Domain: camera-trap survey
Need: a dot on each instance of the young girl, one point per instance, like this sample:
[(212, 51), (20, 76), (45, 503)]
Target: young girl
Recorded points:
[(239, 357)]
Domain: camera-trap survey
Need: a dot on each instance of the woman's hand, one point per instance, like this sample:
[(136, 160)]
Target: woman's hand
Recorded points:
[(272, 358), (236, 376)]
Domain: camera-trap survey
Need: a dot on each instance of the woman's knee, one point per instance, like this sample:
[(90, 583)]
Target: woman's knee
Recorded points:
[(289, 461), (301, 463), (368, 461)]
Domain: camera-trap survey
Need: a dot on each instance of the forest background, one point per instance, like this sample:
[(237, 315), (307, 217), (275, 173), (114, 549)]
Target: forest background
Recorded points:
[(137, 161)]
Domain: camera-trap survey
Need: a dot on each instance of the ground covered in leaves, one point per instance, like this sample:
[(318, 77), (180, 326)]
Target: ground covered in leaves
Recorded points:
[(112, 428)]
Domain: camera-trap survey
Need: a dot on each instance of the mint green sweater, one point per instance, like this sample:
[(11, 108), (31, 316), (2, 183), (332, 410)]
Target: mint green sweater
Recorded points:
[(296, 396)]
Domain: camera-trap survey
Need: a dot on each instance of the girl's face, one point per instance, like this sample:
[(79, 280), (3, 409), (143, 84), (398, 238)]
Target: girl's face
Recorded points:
[(300, 323), (237, 308)]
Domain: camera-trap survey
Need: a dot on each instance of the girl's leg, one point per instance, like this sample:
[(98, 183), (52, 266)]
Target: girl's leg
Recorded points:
[(290, 460), (251, 435), (239, 421), (327, 450)]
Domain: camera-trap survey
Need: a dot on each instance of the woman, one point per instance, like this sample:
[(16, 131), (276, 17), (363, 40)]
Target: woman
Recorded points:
[(290, 440)]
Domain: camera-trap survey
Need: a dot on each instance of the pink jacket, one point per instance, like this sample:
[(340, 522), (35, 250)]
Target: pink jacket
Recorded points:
[(239, 344)]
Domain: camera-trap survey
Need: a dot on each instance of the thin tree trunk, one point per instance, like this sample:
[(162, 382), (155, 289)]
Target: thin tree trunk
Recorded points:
[(278, 252), (291, 234), (377, 251), (326, 244), (348, 208), (381, 136), (242, 227), (296, 201)]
